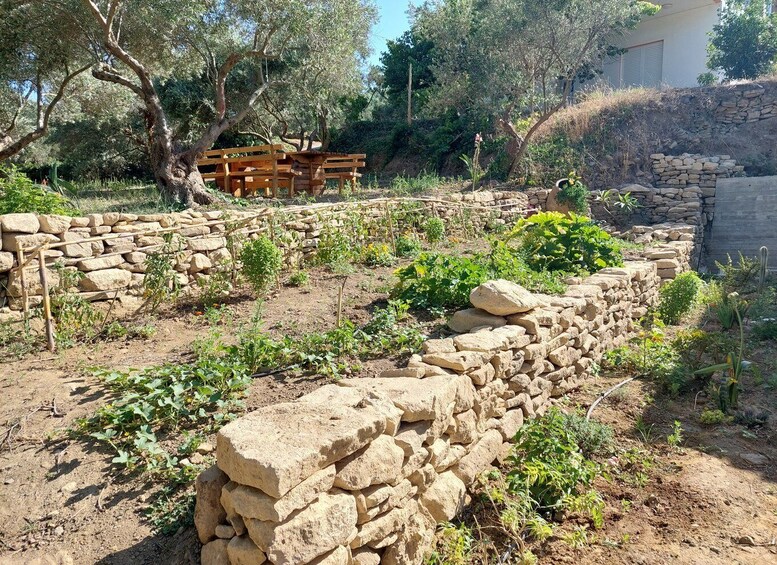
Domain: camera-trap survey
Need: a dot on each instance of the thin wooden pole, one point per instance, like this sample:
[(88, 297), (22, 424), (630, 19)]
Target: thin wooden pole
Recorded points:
[(340, 292), (410, 95), (44, 282), (23, 280), (390, 221)]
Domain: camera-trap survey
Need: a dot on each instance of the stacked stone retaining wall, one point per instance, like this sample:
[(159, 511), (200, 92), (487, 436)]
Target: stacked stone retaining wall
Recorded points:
[(362, 471), (111, 249)]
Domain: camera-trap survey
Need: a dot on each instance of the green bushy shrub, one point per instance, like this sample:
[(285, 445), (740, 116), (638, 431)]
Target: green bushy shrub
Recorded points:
[(19, 194), (678, 297), (552, 241), (408, 245), (378, 255), (439, 281), (574, 194), (434, 228), (262, 262)]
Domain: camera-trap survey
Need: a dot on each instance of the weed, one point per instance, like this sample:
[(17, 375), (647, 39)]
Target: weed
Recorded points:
[(593, 438), (17, 342), (406, 185), (214, 287), (765, 329), (75, 317), (378, 255), (171, 511), (454, 546), (434, 229), (408, 245), (714, 417), (676, 437), (299, 279), (678, 297), (18, 194), (161, 284), (262, 262), (574, 193), (578, 538), (644, 430)]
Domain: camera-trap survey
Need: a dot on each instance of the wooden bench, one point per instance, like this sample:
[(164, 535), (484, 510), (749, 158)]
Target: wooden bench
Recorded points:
[(242, 171), (344, 168)]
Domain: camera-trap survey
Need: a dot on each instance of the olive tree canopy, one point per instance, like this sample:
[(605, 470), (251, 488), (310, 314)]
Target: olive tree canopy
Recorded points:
[(518, 58)]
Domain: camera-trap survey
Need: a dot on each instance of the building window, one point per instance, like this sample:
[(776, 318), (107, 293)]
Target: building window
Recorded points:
[(638, 66)]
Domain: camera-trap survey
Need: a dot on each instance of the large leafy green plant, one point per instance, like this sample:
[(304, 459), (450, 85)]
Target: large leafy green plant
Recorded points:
[(678, 297), (19, 194), (439, 281), (566, 242)]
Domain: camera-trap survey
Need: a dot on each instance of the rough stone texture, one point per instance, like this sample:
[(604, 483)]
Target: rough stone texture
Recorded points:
[(466, 320), (208, 512), (321, 527), (6, 261), (215, 553), (480, 457), (108, 279), (445, 498), (54, 224), (252, 503), (277, 447), (503, 298), (380, 462), (100, 263), (26, 242), (19, 223), (242, 551)]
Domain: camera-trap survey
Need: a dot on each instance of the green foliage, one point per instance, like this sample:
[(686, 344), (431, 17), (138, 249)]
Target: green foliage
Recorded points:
[(454, 546), (507, 262), (434, 229), (299, 278), (574, 193), (408, 245), (262, 262), (678, 297), (765, 329), (19, 194), (378, 255), (75, 318), (592, 437), (550, 158), (160, 284), (17, 340), (743, 44), (737, 276), (571, 243), (547, 463), (172, 510), (404, 185), (439, 281), (335, 248), (618, 205), (153, 403), (707, 79), (727, 308), (714, 417), (215, 287), (676, 437)]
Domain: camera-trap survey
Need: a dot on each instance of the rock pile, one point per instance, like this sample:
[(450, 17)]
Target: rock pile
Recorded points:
[(360, 472)]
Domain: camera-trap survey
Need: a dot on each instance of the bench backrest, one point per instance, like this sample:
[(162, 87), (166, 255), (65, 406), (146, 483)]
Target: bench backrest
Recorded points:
[(354, 161)]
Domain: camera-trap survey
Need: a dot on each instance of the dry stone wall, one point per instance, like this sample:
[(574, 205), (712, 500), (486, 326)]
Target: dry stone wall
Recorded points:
[(362, 471), (110, 249)]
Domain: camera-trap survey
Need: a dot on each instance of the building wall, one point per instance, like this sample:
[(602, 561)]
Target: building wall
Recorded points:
[(684, 29)]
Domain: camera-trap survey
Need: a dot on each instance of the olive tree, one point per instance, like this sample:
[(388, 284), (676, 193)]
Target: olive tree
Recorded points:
[(38, 67), (511, 59), (142, 44)]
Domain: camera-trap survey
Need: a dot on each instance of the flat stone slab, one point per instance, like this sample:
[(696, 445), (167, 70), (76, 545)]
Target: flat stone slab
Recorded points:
[(277, 447)]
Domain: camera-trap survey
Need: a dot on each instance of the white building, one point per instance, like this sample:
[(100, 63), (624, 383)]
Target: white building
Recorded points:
[(668, 49)]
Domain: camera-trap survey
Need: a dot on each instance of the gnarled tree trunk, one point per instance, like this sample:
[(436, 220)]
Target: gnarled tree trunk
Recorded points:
[(179, 180)]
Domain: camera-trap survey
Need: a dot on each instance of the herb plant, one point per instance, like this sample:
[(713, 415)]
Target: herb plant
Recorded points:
[(262, 263)]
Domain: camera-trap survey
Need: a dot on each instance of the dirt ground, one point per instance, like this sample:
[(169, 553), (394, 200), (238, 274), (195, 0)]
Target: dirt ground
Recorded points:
[(712, 501)]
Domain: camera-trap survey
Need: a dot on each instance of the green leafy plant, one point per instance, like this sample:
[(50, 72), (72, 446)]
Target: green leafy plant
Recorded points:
[(408, 245), (454, 546), (618, 205), (18, 194), (299, 278), (733, 369), (262, 262), (378, 255), (714, 417), (565, 242), (729, 308), (161, 284), (592, 437), (765, 329), (438, 281), (476, 172), (434, 229), (678, 297), (737, 276), (676, 437), (573, 193), (644, 430)]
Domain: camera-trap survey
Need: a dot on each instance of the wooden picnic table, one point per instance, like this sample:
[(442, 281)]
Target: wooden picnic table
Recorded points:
[(316, 167)]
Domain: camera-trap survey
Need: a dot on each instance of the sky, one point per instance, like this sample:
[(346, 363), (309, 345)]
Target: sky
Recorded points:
[(392, 23)]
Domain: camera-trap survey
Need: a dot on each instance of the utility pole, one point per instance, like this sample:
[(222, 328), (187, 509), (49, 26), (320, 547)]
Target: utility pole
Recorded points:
[(410, 95)]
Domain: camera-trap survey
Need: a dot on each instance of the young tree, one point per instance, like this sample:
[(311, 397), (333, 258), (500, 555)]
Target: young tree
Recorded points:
[(38, 66), (506, 59), (744, 43), (141, 44)]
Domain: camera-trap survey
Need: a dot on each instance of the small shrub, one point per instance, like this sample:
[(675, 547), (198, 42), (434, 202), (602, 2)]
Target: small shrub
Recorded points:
[(408, 245), (765, 329), (438, 281), (726, 309), (19, 194), (160, 283), (434, 229), (574, 194), (714, 417), (334, 248), (593, 438), (299, 278), (736, 276), (262, 263), (552, 241), (75, 318), (378, 255), (678, 297), (215, 287)]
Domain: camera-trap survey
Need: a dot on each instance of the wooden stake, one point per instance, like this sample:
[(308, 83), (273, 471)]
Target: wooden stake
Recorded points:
[(44, 282), (391, 228), (410, 95), (23, 279), (340, 302)]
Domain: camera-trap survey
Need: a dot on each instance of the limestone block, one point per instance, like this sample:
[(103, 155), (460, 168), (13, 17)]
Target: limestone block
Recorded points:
[(215, 553), (242, 551), (460, 361), (378, 463), (76, 249), (100, 263), (6, 261), (445, 498), (249, 502), (108, 279), (416, 372), (95, 220), (365, 556), (357, 398), (438, 346), (32, 280), (503, 298), (483, 375), (338, 556), (375, 531), (411, 436), (50, 223), (208, 512), (13, 241), (199, 262), (206, 244), (464, 428), (465, 320), (316, 530), (19, 223), (485, 341)]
